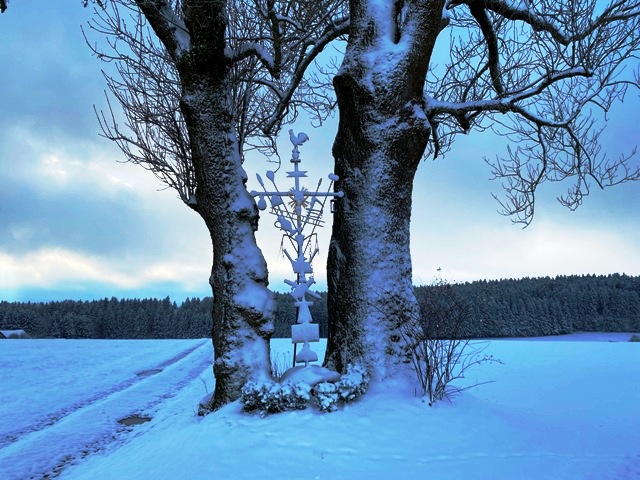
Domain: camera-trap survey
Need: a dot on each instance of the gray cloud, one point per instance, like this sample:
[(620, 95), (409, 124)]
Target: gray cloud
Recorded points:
[(120, 237), (30, 220)]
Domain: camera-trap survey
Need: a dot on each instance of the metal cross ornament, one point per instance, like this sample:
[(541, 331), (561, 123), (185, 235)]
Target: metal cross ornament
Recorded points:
[(299, 212)]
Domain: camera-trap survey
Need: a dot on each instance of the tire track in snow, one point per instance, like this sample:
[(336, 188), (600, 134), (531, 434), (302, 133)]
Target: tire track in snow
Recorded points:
[(53, 418), (83, 451), (93, 426)]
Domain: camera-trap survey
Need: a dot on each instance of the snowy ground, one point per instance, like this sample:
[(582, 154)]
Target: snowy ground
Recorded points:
[(562, 409)]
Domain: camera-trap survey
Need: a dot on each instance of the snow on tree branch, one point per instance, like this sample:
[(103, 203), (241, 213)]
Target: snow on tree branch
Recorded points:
[(254, 49), (167, 25)]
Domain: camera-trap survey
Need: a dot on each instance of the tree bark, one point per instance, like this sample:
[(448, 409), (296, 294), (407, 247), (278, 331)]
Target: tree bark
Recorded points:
[(242, 304), (382, 135)]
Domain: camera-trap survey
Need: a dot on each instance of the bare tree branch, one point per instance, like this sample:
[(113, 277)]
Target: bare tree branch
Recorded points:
[(144, 79), (271, 47), (310, 55), (544, 75)]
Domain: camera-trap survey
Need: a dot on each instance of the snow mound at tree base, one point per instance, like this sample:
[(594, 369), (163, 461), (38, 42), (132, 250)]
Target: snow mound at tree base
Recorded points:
[(311, 375)]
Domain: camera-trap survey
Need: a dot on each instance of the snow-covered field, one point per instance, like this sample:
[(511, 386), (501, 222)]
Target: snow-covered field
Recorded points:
[(562, 409)]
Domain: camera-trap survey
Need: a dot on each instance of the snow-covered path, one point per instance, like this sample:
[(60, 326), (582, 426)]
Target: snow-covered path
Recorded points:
[(84, 406)]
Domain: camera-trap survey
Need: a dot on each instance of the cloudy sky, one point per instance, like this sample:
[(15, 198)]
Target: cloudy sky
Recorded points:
[(75, 223)]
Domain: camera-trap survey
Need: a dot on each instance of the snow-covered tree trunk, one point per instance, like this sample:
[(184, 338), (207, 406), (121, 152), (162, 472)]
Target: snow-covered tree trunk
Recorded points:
[(217, 78), (242, 304), (537, 85), (533, 71), (382, 135)]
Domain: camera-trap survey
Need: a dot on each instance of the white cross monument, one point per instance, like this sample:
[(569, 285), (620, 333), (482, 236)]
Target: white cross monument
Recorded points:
[(296, 209)]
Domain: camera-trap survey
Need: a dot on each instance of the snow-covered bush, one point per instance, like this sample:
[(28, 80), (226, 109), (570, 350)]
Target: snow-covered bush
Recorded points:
[(326, 396), (272, 397), (351, 385), (354, 383)]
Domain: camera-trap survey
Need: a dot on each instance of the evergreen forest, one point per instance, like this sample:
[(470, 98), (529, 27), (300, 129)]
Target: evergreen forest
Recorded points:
[(492, 308)]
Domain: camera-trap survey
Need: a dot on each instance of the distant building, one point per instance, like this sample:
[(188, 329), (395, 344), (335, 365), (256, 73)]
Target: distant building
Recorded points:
[(13, 334)]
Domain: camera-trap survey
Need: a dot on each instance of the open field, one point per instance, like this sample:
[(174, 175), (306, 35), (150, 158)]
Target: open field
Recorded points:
[(558, 408)]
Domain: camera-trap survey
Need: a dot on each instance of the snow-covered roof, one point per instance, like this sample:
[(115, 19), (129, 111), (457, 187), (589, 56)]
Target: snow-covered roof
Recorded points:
[(12, 333)]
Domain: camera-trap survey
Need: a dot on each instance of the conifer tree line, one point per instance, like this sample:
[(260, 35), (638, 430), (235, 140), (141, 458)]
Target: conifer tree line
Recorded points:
[(496, 308), (532, 307)]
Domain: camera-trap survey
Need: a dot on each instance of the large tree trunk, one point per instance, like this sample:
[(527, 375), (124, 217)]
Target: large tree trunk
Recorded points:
[(242, 304), (381, 138)]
